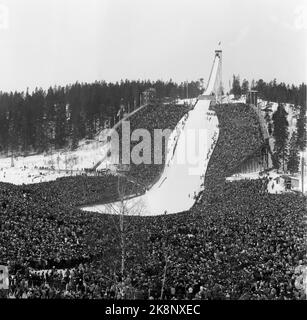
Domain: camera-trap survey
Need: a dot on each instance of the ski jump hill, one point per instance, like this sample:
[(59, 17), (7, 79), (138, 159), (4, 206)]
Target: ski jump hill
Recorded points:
[(185, 167), (170, 187)]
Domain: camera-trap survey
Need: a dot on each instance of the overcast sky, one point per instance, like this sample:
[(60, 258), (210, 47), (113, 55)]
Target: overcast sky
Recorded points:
[(56, 42)]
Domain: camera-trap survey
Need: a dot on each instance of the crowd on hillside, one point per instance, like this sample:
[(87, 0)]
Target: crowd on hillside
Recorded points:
[(155, 116), (246, 245), (240, 243), (239, 138), (41, 225)]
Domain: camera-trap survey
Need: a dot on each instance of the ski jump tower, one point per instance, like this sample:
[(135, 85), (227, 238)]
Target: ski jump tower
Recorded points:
[(214, 90), (218, 87)]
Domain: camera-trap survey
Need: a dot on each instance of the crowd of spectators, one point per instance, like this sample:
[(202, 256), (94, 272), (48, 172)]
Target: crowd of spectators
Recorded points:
[(41, 225), (155, 116), (239, 243), (239, 138)]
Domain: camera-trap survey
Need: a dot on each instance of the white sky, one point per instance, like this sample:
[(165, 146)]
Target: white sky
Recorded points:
[(48, 42)]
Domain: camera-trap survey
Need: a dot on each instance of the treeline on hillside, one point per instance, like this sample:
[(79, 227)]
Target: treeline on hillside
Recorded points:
[(60, 116), (287, 146), (271, 91)]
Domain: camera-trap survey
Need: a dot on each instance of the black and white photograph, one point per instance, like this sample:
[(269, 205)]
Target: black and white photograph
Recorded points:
[(153, 150)]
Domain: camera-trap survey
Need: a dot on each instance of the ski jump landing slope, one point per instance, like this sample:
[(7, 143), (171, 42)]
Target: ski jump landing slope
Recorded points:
[(185, 165)]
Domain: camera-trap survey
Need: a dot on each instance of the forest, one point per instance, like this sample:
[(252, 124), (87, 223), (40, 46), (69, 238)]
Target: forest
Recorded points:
[(59, 117), (287, 147), (271, 91)]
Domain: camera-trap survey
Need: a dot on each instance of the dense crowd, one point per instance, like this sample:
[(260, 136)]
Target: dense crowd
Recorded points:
[(41, 225), (239, 138), (240, 243), (155, 116), (246, 245)]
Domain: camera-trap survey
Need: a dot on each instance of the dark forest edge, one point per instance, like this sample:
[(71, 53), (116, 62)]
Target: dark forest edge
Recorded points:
[(61, 116)]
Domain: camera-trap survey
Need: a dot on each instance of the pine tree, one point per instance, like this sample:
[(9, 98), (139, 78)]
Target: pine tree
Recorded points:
[(236, 87), (245, 86), (301, 129), (293, 161), (280, 133), (253, 85)]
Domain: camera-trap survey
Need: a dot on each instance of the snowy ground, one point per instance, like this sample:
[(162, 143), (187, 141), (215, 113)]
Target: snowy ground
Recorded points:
[(161, 197), (48, 167), (190, 101), (272, 106), (44, 167), (181, 179), (291, 117), (292, 113), (274, 185), (186, 163), (276, 181)]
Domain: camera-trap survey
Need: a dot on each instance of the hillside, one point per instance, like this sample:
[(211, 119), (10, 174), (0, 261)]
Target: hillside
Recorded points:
[(228, 246)]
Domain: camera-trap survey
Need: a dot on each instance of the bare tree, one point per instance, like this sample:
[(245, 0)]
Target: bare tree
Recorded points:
[(166, 256), (122, 211), (164, 273)]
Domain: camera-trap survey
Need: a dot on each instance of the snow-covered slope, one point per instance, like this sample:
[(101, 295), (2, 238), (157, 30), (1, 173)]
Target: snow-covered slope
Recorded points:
[(181, 179), (186, 163), (47, 167)]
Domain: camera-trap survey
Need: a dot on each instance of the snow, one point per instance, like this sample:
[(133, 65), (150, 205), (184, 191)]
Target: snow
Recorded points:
[(274, 185), (44, 167), (62, 163), (276, 182), (176, 189), (190, 101), (292, 113), (181, 180), (48, 167)]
